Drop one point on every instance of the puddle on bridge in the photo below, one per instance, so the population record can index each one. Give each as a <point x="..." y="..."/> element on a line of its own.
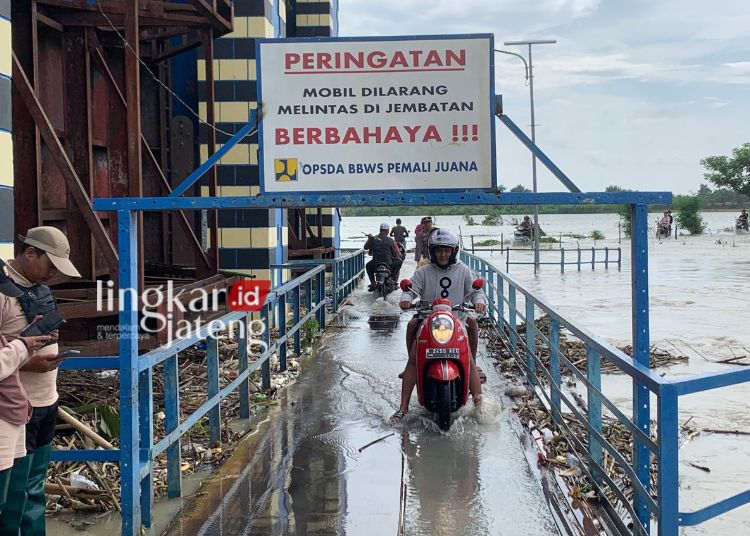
<point x="304" y="473"/>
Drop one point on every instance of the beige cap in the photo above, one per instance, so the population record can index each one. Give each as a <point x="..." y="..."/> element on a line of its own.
<point x="55" y="244"/>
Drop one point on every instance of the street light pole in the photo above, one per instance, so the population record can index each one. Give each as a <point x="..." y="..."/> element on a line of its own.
<point x="530" y="78"/>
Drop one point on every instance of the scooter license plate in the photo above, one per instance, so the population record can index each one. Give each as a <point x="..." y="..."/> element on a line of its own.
<point x="441" y="353"/>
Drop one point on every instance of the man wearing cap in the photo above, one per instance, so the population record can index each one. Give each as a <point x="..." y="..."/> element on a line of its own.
<point x="383" y="250"/>
<point x="42" y="254"/>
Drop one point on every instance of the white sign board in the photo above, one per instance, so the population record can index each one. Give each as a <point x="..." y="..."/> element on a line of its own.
<point x="376" y="114"/>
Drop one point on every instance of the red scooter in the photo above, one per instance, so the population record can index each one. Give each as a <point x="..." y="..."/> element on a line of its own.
<point x="443" y="356"/>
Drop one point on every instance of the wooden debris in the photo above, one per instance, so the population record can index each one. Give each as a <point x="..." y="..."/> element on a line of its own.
<point x="85" y="430"/>
<point x="94" y="399"/>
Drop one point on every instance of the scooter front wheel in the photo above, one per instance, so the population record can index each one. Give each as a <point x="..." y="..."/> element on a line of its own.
<point x="443" y="405"/>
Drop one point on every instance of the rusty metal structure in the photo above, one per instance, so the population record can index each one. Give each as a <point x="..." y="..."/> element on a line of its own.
<point x="92" y="117"/>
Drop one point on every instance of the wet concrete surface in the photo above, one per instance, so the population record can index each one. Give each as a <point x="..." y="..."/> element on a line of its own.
<point x="303" y="472"/>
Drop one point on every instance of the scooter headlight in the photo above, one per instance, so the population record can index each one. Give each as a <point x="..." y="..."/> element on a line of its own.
<point x="441" y="328"/>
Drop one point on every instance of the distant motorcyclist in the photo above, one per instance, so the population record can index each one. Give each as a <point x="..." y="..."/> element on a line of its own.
<point x="526" y="226"/>
<point x="383" y="250"/>
<point x="399" y="233"/>
<point x="444" y="277"/>
<point x="742" y="222"/>
<point x="665" y="223"/>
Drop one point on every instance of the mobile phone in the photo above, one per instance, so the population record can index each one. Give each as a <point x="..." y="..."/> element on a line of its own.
<point x="49" y="322"/>
<point x="69" y="353"/>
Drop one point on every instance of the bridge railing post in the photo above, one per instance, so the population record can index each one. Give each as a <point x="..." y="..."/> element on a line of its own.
<point x="265" y="368"/>
<point x="282" y="333"/>
<point x="297" y="304"/>
<point x="530" y="340"/>
<point x="593" y="375"/>
<point x="171" y="422"/>
<point x="669" y="485"/>
<point x="130" y="467"/>
<point x="554" y="366"/>
<point x="214" y="415"/>
<point x="512" y="326"/>
<point x="242" y="365"/>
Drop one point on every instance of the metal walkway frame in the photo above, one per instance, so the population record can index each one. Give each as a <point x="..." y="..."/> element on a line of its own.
<point x="137" y="450"/>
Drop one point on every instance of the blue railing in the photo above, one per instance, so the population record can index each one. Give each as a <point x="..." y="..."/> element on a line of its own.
<point x="305" y="296"/>
<point x="660" y="442"/>
<point x="346" y="270"/>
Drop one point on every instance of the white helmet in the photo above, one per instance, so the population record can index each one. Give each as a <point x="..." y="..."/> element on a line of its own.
<point x="442" y="237"/>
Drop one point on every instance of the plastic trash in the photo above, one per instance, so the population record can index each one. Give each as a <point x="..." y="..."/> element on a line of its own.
<point x="548" y="435"/>
<point x="81" y="482"/>
<point x="573" y="461"/>
<point x="516" y="390"/>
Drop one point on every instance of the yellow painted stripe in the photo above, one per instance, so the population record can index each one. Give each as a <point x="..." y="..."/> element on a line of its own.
<point x="6" y="157"/>
<point x="264" y="237"/>
<point x="242" y="153"/>
<point x="259" y="27"/>
<point x="227" y="112"/>
<point x="234" y="238"/>
<point x="6" y="250"/>
<point x="240" y="28"/>
<point x="6" y="63"/>
<point x="228" y="69"/>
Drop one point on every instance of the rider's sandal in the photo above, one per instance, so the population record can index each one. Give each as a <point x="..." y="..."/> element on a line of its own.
<point x="398" y="417"/>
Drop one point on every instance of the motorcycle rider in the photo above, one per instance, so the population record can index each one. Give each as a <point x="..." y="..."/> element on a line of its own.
<point x="399" y="233"/>
<point x="665" y="223"/>
<point x="383" y="250"/>
<point x="444" y="277"/>
<point x="742" y="222"/>
<point x="526" y="226"/>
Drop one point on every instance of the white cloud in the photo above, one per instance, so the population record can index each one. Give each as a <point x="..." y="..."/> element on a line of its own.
<point x="633" y="93"/>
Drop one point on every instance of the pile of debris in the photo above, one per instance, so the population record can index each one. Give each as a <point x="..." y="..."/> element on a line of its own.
<point x="554" y="448"/>
<point x="89" y="419"/>
<point x="572" y="348"/>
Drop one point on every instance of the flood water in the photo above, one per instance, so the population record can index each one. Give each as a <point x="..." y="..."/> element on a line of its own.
<point x="698" y="307"/>
<point x="303" y="472"/>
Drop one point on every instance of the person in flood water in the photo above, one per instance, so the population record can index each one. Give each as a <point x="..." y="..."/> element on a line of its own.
<point x="423" y="237"/>
<point x="444" y="277"/>
<point x="742" y="222"/>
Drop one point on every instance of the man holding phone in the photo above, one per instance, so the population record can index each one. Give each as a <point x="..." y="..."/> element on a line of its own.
<point x="42" y="254"/>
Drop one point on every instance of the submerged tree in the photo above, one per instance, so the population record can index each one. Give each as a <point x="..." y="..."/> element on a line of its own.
<point x="688" y="216"/>
<point x="733" y="173"/>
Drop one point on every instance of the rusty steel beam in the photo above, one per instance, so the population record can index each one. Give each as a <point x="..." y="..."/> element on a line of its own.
<point x="213" y="215"/>
<point x="78" y="142"/>
<point x="133" y="98"/>
<point x="60" y="157"/>
<point x="174" y="50"/>
<point x="25" y="134"/>
<point x="208" y="9"/>
<point x="194" y="242"/>
<point x="49" y="22"/>
<point x="92" y="18"/>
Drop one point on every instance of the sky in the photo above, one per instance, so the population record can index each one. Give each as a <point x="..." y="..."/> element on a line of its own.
<point x="635" y="92"/>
